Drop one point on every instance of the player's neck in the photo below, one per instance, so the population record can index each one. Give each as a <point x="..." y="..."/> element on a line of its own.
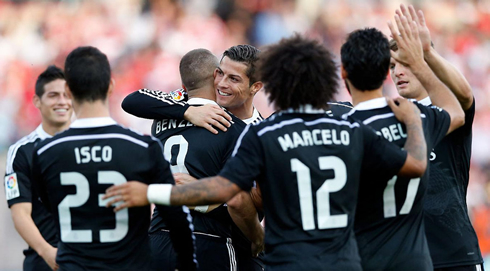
<point x="245" y="111"/>
<point x="96" y="109"/>
<point x="362" y="96"/>
<point x="204" y="92"/>
<point x="53" y="129"/>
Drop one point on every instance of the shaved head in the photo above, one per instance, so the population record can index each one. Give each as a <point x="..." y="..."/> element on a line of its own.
<point x="197" y="68"/>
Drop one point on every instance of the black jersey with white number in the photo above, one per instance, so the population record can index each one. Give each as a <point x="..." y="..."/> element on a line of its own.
<point x="73" y="169"/>
<point x="196" y="151"/>
<point x="389" y="218"/>
<point x="18" y="187"/>
<point x="308" y="167"/>
<point x="451" y="237"/>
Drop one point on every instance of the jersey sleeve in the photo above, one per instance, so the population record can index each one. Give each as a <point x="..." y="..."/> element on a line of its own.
<point x="17" y="183"/>
<point x="177" y="218"/>
<point x="439" y="121"/>
<point x="380" y="155"/>
<point x="154" y="104"/>
<point x="246" y="161"/>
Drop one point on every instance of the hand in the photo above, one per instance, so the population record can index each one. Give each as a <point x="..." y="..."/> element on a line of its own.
<point x="131" y="194"/>
<point x="404" y="110"/>
<point x="256" y="196"/>
<point x="419" y="19"/>
<point x="183" y="178"/>
<point x="49" y="256"/>
<point x="207" y="116"/>
<point x="408" y="42"/>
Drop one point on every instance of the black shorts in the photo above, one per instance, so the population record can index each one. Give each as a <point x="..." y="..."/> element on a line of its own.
<point x="34" y="262"/>
<point x="213" y="253"/>
<point x="473" y="267"/>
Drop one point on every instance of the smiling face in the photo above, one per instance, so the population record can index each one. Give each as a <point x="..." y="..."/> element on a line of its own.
<point x="54" y="104"/>
<point x="232" y="84"/>
<point x="406" y="83"/>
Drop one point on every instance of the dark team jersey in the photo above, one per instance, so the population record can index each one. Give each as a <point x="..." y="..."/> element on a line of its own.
<point x="339" y="108"/>
<point x="389" y="218"/>
<point x="18" y="186"/>
<point x="196" y="151"/>
<point x="308" y="166"/>
<point x="451" y="237"/>
<point x="73" y="169"/>
<point x="155" y="104"/>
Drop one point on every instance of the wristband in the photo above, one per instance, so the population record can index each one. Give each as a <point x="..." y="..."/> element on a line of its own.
<point x="159" y="193"/>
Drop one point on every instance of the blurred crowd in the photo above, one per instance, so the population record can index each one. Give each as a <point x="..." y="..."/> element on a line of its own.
<point x="145" y="39"/>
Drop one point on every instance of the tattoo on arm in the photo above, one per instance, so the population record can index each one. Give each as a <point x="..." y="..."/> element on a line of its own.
<point x="206" y="191"/>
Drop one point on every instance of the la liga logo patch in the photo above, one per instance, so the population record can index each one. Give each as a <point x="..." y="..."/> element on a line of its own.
<point x="177" y="95"/>
<point x="11" y="186"/>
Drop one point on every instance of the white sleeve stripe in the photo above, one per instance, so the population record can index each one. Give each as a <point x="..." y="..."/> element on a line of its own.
<point x="9" y="168"/>
<point x="307" y="123"/>
<point x="239" y="141"/>
<point x="88" y="137"/>
<point x="162" y="97"/>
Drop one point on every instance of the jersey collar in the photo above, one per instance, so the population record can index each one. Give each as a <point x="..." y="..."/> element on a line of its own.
<point x="371" y="104"/>
<point x="425" y="101"/>
<point x="255" y="115"/>
<point x="200" y="101"/>
<point x="307" y="108"/>
<point x="42" y="134"/>
<point x="93" y="122"/>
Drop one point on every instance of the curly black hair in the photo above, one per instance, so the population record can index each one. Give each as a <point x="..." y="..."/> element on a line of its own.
<point x="298" y="71"/>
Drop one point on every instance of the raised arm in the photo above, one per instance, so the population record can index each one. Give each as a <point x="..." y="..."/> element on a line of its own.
<point x="410" y="54"/>
<point x="444" y="70"/>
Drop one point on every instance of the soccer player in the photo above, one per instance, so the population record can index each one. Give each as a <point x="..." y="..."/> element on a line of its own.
<point x="389" y="217"/>
<point x="237" y="76"/>
<point x="307" y="164"/>
<point x="33" y="222"/>
<point x="452" y="240"/>
<point x="193" y="150"/>
<point x="72" y="168"/>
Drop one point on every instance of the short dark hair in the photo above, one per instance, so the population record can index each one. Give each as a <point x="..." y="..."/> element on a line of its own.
<point x="49" y="75"/>
<point x="197" y="68"/>
<point x="88" y="74"/>
<point x="298" y="71"/>
<point x="248" y="55"/>
<point x="366" y="58"/>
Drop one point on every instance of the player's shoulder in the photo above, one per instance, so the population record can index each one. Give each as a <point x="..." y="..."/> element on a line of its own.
<point x="339" y="108"/>
<point x="24" y="146"/>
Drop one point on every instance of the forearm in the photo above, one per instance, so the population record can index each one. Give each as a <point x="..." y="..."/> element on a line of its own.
<point x="207" y="191"/>
<point x="439" y="93"/>
<point x="28" y="230"/>
<point x="416" y="148"/>
<point x="243" y="212"/>
<point x="450" y="76"/>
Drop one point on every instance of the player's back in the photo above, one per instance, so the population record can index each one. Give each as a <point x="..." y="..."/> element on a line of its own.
<point x="196" y="151"/>
<point x="312" y="164"/>
<point x="389" y="218"/>
<point x="74" y="169"/>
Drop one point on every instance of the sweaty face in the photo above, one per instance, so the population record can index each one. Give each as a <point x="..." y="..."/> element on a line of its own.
<point x="55" y="106"/>
<point x="232" y="84"/>
<point x="406" y="83"/>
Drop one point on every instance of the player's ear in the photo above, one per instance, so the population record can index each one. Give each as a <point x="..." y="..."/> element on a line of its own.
<point x="256" y="87"/>
<point x="68" y="92"/>
<point x="112" y="84"/>
<point x="343" y="72"/>
<point x="215" y="73"/>
<point x="36" y="100"/>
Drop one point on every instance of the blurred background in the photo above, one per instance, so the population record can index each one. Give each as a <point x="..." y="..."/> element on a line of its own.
<point x="145" y="39"/>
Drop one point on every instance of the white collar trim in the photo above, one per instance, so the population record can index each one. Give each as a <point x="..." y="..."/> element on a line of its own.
<point x="307" y="108"/>
<point x="425" y="101"/>
<point x="42" y="134"/>
<point x="371" y="104"/>
<point x="255" y="115"/>
<point x="93" y="122"/>
<point x="200" y="101"/>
